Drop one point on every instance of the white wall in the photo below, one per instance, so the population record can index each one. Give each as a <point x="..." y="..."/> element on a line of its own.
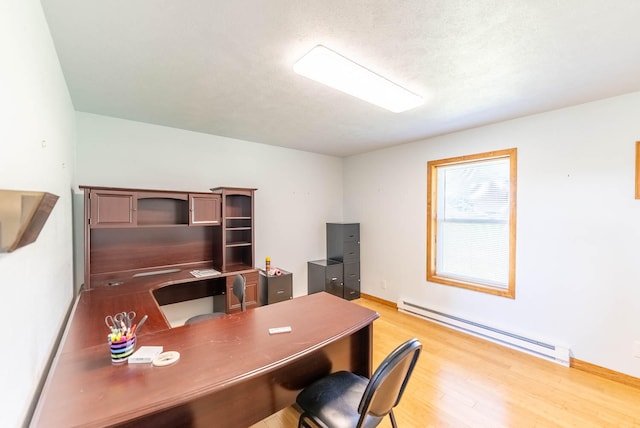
<point x="578" y="228"/>
<point x="298" y="192"/>
<point x="36" y="280"/>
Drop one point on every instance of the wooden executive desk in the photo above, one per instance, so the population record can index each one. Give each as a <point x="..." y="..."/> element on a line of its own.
<point x="231" y="373"/>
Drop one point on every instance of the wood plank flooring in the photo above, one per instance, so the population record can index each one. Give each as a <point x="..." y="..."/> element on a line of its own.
<point x="463" y="381"/>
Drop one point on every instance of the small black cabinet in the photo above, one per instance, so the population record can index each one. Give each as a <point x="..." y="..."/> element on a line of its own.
<point x="275" y="288"/>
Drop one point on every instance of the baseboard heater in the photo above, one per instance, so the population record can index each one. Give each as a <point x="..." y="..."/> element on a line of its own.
<point x="555" y="353"/>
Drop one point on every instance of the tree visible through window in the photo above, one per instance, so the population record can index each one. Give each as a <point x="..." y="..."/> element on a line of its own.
<point x="471" y="222"/>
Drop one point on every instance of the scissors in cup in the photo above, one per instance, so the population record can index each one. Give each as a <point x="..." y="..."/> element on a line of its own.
<point x="120" y="322"/>
<point x="126" y="318"/>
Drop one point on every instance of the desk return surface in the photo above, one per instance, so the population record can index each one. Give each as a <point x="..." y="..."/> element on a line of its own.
<point x="231" y="371"/>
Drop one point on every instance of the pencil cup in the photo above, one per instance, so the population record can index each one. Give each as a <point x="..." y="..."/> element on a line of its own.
<point x="122" y="349"/>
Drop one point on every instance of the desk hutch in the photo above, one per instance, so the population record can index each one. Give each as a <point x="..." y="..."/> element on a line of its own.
<point x="130" y="233"/>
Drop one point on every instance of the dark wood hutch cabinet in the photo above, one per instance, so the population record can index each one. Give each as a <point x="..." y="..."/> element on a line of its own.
<point x="236" y="234"/>
<point x="123" y="208"/>
<point x="135" y="233"/>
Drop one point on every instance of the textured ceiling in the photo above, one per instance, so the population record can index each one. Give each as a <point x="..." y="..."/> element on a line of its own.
<point x="225" y="67"/>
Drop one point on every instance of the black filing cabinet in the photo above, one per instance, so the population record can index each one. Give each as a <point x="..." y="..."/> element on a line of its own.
<point x="343" y="242"/>
<point x="275" y="288"/>
<point x="343" y="245"/>
<point x="339" y="274"/>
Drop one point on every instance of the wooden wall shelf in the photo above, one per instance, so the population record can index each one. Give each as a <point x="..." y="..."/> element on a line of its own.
<point x="22" y="216"/>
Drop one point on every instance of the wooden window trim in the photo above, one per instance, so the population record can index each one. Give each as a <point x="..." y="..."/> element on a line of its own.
<point x="637" y="169"/>
<point x="432" y="187"/>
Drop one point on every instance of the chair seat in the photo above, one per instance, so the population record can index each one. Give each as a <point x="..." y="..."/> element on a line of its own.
<point x="204" y="317"/>
<point x="344" y="399"/>
<point x="239" y="287"/>
<point x="346" y="390"/>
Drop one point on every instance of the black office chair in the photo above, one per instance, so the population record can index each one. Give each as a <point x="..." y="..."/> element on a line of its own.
<point x="344" y="399"/>
<point x="239" y="287"/>
<point x="204" y="317"/>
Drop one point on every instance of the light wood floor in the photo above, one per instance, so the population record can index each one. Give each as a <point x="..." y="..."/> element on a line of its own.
<point x="462" y="381"/>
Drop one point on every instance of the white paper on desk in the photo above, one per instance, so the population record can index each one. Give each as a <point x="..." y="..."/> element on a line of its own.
<point x="145" y="354"/>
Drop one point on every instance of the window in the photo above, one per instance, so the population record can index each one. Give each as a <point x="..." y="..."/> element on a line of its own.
<point x="471" y="222"/>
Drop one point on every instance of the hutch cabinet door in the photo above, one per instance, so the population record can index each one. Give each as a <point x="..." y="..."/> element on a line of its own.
<point x="204" y="209"/>
<point x="113" y="208"/>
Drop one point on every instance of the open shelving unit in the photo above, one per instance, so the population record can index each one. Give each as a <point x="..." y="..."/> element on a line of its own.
<point x="237" y="232"/>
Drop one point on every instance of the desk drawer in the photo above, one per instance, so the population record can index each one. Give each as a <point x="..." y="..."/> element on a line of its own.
<point x="351" y="290"/>
<point x="351" y="232"/>
<point x="351" y="252"/>
<point x="351" y="281"/>
<point x="351" y="271"/>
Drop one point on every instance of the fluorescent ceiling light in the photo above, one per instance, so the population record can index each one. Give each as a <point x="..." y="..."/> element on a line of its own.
<point x="332" y="69"/>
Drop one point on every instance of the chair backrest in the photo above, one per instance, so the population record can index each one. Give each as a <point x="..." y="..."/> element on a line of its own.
<point x="239" y="287"/>
<point x="388" y="382"/>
